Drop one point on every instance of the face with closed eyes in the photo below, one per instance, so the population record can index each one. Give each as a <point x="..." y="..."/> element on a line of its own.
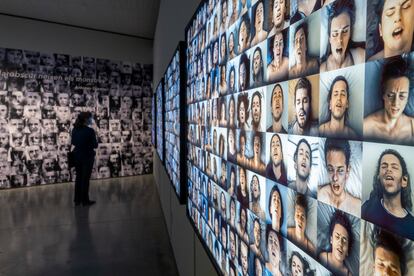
<point x="340" y="36"/>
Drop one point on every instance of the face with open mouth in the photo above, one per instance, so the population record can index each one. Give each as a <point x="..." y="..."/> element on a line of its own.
<point x="256" y="109"/>
<point x="300" y="46"/>
<point x="259" y="17"/>
<point x="243" y="37"/>
<point x="395" y="96"/>
<point x="276" y="150"/>
<point x="297" y="266"/>
<point x="257" y="232"/>
<point x="257" y="61"/>
<point x="279" y="10"/>
<point x="303" y="165"/>
<point x="256" y="146"/>
<point x="390" y="174"/>
<point x="302" y="106"/>
<point x="275" y="206"/>
<point x="339" y="100"/>
<point x="340" y="242"/>
<point x="277" y="103"/>
<point x="278" y="45"/>
<point x="340" y="36"/>
<point x="273" y="248"/>
<point x="396" y="27"/>
<point x="337" y="170"/>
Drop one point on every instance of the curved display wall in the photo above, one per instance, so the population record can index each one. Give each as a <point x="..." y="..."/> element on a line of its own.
<point x="41" y="95"/>
<point x="300" y="136"/>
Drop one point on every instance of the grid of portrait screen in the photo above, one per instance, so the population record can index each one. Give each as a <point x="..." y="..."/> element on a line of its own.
<point x="159" y="118"/>
<point x="172" y="121"/>
<point x="154" y="122"/>
<point x="41" y="95"/>
<point x="300" y="135"/>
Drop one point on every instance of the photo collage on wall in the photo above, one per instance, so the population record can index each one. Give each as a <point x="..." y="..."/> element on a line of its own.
<point x="174" y="143"/>
<point x="41" y="95"/>
<point x="160" y="119"/>
<point x="301" y="135"/>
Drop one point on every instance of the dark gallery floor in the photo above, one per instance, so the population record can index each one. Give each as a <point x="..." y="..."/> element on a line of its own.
<point x="42" y="233"/>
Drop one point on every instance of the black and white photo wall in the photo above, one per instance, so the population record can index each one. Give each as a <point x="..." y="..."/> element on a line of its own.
<point x="41" y="95"/>
<point x="301" y="136"/>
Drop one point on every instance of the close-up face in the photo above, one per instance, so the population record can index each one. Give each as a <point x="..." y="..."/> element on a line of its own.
<point x="297" y="266"/>
<point x="232" y="145"/>
<point x="232" y="210"/>
<point x="242" y="113"/>
<point x="395" y="96"/>
<point x="279" y="10"/>
<point x="337" y="170"/>
<point x="232" y="80"/>
<point x="259" y="17"/>
<point x="300" y="218"/>
<point x="232" y="241"/>
<point x="231" y="109"/>
<point x="244" y="258"/>
<point x="339" y="100"/>
<point x="4" y="139"/>
<point x="63" y="99"/>
<point x="257" y="146"/>
<point x="257" y="62"/>
<point x="278" y="45"/>
<point x="300" y="46"/>
<point x="340" y="36"/>
<point x="242" y="76"/>
<point x="276" y="150"/>
<point x="243" y="219"/>
<point x="386" y="262"/>
<point x="222" y="47"/>
<point x="255" y="187"/>
<point x="303" y="161"/>
<point x="277" y="103"/>
<point x="273" y="248"/>
<point x="302" y="107"/>
<point x="340" y="243"/>
<point x="396" y="27"/>
<point x="242" y="180"/>
<point x="231" y="43"/>
<point x="276" y="206"/>
<point x="256" y="109"/>
<point x="390" y="174"/>
<point x="34" y="152"/>
<point x="243" y="37"/>
<point x="3" y="111"/>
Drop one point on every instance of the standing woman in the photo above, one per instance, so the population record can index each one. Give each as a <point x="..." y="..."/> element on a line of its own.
<point x="85" y="143"/>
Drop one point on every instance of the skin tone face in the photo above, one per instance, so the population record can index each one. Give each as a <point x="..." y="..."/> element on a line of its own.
<point x="279" y="10"/>
<point x="243" y="219"/>
<point x="275" y="206"/>
<point x="242" y="181"/>
<point x="278" y="47"/>
<point x="231" y="109"/>
<point x="339" y="100"/>
<point x="276" y="150"/>
<point x="340" y="36"/>
<point x="396" y="27"/>
<point x="231" y="43"/>
<point x="232" y="145"/>
<point x="242" y="113"/>
<point x="390" y="174"/>
<point x="273" y="248"/>
<point x="300" y="46"/>
<point x="257" y="62"/>
<point x="243" y="37"/>
<point x="243" y="258"/>
<point x="255" y="187"/>
<point x="303" y="165"/>
<point x="259" y="18"/>
<point x="300" y="218"/>
<point x="338" y="171"/>
<point x="232" y="245"/>
<point x="277" y="103"/>
<point x="242" y="145"/>
<point x="340" y="243"/>
<point x="297" y="266"/>
<point x="242" y="76"/>
<point x="395" y="96"/>
<point x="386" y="262"/>
<point x="302" y="107"/>
<point x="232" y="211"/>
<point x="232" y="80"/>
<point x="256" y="109"/>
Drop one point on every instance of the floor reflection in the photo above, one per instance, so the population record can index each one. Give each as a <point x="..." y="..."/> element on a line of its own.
<point x="42" y="233"/>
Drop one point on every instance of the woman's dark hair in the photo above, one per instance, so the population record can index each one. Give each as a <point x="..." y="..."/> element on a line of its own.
<point x="378" y="189"/>
<point x="82" y="119"/>
<point x="340" y="218"/>
<point x="307" y="271"/>
<point x="275" y="189"/>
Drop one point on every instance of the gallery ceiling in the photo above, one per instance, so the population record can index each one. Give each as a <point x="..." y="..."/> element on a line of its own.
<point x="131" y="17"/>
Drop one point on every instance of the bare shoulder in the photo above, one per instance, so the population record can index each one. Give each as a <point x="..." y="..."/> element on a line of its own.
<point x="323" y="67"/>
<point x="323" y="192"/>
<point x="358" y="54"/>
<point x="373" y="117"/>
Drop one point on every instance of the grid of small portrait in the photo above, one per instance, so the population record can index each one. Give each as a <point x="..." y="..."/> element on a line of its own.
<point x="285" y="112"/>
<point x="172" y="121"/>
<point x="160" y="120"/>
<point x="41" y="95"/>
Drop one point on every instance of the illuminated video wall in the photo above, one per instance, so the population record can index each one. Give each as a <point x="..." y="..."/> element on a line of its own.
<point x="300" y="134"/>
<point x="174" y="91"/>
<point x="41" y="94"/>
<point x="160" y="119"/>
